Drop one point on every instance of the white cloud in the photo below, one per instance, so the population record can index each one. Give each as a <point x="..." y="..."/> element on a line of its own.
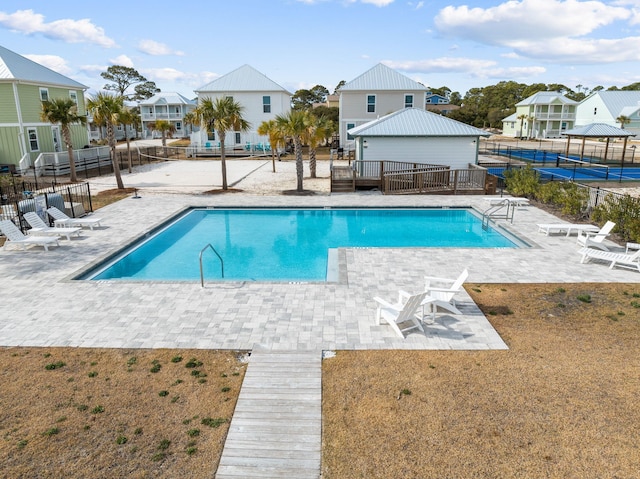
<point x="584" y="51"/>
<point x="549" y="30"/>
<point x="90" y="69"/>
<point x="151" y="47"/>
<point x="53" y="62"/>
<point x="443" y="64"/>
<point x="540" y="20"/>
<point x="123" y="60"/>
<point x="68" y="30"/>
<point x="473" y="67"/>
<point x="378" y="3"/>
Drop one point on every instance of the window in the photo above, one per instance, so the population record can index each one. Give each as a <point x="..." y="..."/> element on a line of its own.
<point x="237" y="138"/>
<point x="211" y="135"/>
<point x="266" y="104"/>
<point x="74" y="96"/>
<point x="371" y="103"/>
<point x="119" y="128"/>
<point x="595" y="111"/>
<point x="349" y="126"/>
<point x="44" y="94"/>
<point x="33" y="139"/>
<point x="408" y="101"/>
<point x="178" y="125"/>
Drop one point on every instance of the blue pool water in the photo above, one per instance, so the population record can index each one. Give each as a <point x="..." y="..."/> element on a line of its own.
<point x="286" y="244"/>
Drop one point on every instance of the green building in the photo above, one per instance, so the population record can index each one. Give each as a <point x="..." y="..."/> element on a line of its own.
<point x="24" y="85"/>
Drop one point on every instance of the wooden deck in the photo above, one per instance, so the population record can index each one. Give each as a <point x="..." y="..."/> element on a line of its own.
<point x="276" y="430"/>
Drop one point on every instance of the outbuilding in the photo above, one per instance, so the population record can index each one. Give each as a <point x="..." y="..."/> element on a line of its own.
<point x="418" y="136"/>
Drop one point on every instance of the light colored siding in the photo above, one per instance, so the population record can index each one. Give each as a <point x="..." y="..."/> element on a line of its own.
<point x="8" y="113"/>
<point x="253" y="112"/>
<point x="585" y="112"/>
<point x="454" y="152"/>
<point x="353" y="106"/>
<point x="9" y="146"/>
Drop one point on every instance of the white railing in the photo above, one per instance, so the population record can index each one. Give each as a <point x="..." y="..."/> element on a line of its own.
<point x="58" y="163"/>
<point x="555" y="116"/>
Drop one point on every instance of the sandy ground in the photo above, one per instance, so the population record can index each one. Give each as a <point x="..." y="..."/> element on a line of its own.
<point x="252" y="176"/>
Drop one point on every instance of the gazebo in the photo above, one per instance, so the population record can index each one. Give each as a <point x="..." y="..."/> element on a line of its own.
<point x="598" y="130"/>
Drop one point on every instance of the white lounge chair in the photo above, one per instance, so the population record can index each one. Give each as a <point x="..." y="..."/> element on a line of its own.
<point x="595" y="240"/>
<point x="61" y="219"/>
<point x="442" y="292"/>
<point x="568" y="227"/>
<point x="40" y="228"/>
<point x="403" y="311"/>
<point x="615" y="259"/>
<point x="15" y="236"/>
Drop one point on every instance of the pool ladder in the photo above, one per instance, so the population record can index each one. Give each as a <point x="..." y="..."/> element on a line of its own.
<point x="496" y="211"/>
<point x="219" y="257"/>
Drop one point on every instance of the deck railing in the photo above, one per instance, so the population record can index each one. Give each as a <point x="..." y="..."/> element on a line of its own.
<point x="435" y="180"/>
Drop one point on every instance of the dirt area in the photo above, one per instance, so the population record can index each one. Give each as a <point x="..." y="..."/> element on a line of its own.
<point x="562" y="402"/>
<point x="89" y="413"/>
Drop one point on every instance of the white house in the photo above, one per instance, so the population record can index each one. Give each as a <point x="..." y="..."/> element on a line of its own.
<point x="416" y="135"/>
<point x="606" y="106"/>
<point x="377" y="92"/>
<point x="261" y="98"/>
<point x="168" y="106"/>
<point x="545" y="114"/>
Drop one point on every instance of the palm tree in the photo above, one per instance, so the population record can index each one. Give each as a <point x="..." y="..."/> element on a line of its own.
<point x="276" y="138"/>
<point x="105" y="108"/>
<point x="126" y="118"/>
<point x="190" y="119"/>
<point x="166" y="129"/>
<point x="318" y="130"/>
<point x="521" y="118"/>
<point x="64" y="111"/>
<point x="294" y="124"/>
<point x="530" y="124"/>
<point x="623" y="120"/>
<point x="222" y="115"/>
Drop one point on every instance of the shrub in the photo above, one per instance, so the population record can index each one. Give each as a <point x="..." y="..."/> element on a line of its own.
<point x="624" y="211"/>
<point x="522" y="181"/>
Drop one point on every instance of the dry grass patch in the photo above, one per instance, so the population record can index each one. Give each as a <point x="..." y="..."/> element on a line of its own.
<point x="80" y="413"/>
<point x="107" y="197"/>
<point x="561" y="402"/>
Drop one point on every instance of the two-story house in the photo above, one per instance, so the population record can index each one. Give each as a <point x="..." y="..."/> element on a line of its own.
<point x="168" y="106"/>
<point x="261" y="98"/>
<point x="24" y="85"/>
<point x="607" y="106"/>
<point x="545" y="114"/>
<point x="377" y="92"/>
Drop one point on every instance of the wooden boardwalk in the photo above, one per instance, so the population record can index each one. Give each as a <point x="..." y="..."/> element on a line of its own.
<point x="276" y="427"/>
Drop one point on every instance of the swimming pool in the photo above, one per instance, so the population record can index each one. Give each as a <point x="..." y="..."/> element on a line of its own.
<point x="288" y="244"/>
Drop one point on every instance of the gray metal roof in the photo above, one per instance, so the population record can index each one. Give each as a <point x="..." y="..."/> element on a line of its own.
<point x="415" y="122"/>
<point x="381" y="77"/>
<point x="17" y="67"/>
<point x="245" y="78"/>
<point x="546" y="98"/>
<point x="512" y="117"/>
<point x="616" y="101"/>
<point x="598" y="130"/>
<point x="168" y="98"/>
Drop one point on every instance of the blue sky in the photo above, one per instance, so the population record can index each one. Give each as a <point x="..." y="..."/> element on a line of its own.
<point x="302" y="43"/>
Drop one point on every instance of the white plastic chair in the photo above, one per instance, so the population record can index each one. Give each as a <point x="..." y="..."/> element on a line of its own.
<point x="403" y="311"/>
<point x="61" y="219"/>
<point x="39" y="227"/>
<point x="615" y="259"/>
<point x="595" y="240"/>
<point x="15" y="236"/>
<point x="443" y="291"/>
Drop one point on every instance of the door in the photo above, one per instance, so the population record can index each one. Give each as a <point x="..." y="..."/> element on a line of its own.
<point x="55" y="132"/>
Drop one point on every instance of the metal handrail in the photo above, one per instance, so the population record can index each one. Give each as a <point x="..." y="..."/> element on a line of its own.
<point x="219" y="257"/>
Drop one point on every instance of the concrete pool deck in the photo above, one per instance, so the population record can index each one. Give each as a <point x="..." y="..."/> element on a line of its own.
<point x="42" y="307"/>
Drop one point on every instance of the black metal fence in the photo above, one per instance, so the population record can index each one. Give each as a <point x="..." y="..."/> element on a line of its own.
<point x="18" y="197"/>
<point x="548" y="151"/>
